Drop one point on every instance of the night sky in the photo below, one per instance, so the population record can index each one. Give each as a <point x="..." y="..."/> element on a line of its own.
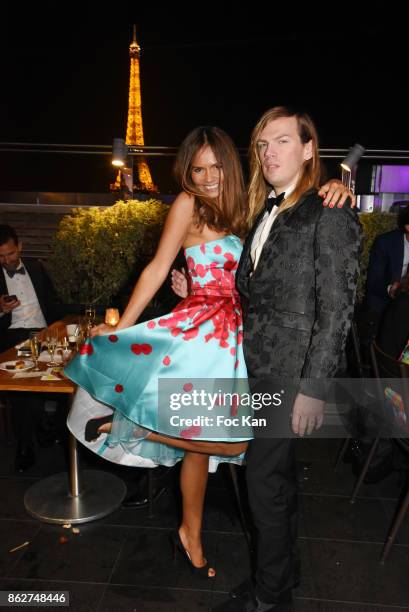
<point x="65" y="73"/>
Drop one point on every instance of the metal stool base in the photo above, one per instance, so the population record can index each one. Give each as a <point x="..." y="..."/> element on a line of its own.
<point x="49" y="500"/>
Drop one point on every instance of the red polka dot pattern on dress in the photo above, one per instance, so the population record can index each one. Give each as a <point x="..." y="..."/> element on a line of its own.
<point x="191" y="432"/>
<point x="234" y="406"/>
<point x="214" y="303"/>
<point x="137" y="349"/>
<point x="86" y="349"/>
<point x="113" y="338"/>
<point x="187" y="387"/>
<point x="119" y="388"/>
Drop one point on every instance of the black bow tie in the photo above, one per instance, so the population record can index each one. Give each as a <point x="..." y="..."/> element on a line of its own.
<point x="270" y="202"/>
<point x="21" y="270"/>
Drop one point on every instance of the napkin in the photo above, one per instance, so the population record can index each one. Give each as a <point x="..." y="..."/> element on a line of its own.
<point x="46" y="357"/>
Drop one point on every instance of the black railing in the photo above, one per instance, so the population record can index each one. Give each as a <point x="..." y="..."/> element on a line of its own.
<point x="164" y="151"/>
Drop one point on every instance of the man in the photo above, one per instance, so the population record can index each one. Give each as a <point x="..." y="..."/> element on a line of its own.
<point x="298" y="275"/>
<point x="26" y="300"/>
<point x="388" y="264"/>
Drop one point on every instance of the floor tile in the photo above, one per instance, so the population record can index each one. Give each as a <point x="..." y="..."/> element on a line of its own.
<point x="134" y="599"/>
<point x="12" y="504"/>
<point x="350" y="571"/>
<point x="232" y="562"/>
<point x="147" y="560"/>
<point x="125" y="561"/>
<point x="88" y="556"/>
<point x="13" y="534"/>
<point x="319" y="477"/>
<point x="335" y="517"/>
<point x="315" y="605"/>
<point x="391" y="508"/>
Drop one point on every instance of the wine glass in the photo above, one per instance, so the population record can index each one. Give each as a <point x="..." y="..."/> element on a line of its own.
<point x="51" y="342"/>
<point x="90" y="314"/>
<point x="79" y="337"/>
<point x="89" y="319"/>
<point x="65" y="345"/>
<point x="35" y="344"/>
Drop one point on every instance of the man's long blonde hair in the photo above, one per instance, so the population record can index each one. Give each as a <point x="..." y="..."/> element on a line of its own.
<point x="311" y="171"/>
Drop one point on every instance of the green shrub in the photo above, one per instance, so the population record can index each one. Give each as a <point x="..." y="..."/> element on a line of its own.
<point x="97" y="252"/>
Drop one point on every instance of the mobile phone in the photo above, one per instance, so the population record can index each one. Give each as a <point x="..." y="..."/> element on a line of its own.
<point x="10" y="298"/>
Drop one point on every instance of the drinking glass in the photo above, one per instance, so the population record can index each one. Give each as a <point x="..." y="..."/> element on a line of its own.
<point x="79" y="337"/>
<point x="35" y="344"/>
<point x="51" y="341"/>
<point x="89" y="319"/>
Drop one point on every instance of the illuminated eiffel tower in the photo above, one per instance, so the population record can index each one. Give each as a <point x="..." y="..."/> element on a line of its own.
<point x="134" y="130"/>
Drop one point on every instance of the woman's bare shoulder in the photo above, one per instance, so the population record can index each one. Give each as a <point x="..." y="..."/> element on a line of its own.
<point x="184" y="201"/>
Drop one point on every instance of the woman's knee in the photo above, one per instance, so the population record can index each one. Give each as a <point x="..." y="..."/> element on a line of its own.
<point x="195" y="457"/>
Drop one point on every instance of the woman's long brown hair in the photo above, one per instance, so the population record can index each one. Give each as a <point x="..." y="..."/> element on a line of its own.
<point x="228" y="212"/>
<point x="311" y="171"/>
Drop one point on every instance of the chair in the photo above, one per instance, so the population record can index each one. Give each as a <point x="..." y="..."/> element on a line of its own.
<point x="363" y="370"/>
<point x="395" y="401"/>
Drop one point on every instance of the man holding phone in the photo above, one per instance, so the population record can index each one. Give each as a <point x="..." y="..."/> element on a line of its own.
<point x="26" y="301"/>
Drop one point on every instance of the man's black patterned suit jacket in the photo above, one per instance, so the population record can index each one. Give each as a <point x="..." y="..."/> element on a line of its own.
<point x="299" y="301"/>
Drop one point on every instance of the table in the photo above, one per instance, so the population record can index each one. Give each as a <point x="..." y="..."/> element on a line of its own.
<point x="76" y="497"/>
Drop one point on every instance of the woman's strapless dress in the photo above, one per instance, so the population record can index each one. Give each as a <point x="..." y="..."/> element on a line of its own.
<point x="146" y="370"/>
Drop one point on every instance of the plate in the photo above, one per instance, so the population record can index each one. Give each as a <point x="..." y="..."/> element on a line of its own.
<point x="18" y="365"/>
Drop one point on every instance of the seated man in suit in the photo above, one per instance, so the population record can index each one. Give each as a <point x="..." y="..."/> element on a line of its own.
<point x="388" y="264"/>
<point x="26" y="301"/>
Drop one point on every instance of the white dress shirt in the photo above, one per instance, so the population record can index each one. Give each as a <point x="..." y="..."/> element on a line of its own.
<point x="29" y="313"/>
<point x="405" y="256"/>
<point x="264" y="228"/>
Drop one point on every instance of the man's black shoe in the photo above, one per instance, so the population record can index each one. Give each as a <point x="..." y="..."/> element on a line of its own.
<point x="160" y="479"/>
<point x="247" y="587"/>
<point x="140" y="499"/>
<point x="25" y="458"/>
<point x="244" y="587"/>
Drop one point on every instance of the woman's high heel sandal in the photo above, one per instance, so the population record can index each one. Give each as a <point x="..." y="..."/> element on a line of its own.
<point x="91" y="428"/>
<point x="178" y="547"/>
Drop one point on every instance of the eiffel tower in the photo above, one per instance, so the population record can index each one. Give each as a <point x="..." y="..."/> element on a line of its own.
<point x="134" y="131"/>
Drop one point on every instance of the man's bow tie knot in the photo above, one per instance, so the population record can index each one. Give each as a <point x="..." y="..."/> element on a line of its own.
<point x="270" y="202"/>
<point x="20" y="270"/>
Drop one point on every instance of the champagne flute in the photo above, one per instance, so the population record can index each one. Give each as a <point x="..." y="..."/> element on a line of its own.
<point x="89" y="319"/>
<point x="78" y="337"/>
<point x="51" y="346"/>
<point x="35" y="349"/>
<point x="65" y="345"/>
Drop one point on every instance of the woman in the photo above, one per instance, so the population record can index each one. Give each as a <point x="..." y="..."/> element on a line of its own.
<point x="201" y="338"/>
